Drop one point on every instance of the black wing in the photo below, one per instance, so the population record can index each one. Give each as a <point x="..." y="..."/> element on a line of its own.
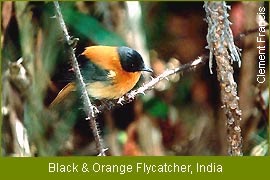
<point x="92" y="73"/>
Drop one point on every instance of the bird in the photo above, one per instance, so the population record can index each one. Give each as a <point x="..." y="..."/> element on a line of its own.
<point x="109" y="72"/>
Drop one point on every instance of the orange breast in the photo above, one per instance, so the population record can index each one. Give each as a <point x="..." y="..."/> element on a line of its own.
<point x="122" y="84"/>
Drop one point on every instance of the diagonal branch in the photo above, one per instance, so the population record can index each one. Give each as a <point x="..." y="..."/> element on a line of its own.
<point x="185" y="67"/>
<point x="129" y="97"/>
<point x="89" y="109"/>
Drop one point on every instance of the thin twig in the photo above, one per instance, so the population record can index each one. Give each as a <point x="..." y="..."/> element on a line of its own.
<point x="185" y="67"/>
<point x="248" y="32"/>
<point x="127" y="98"/>
<point x="89" y="109"/>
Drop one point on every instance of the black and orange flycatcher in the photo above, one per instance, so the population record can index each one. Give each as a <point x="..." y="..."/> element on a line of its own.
<point x="109" y="74"/>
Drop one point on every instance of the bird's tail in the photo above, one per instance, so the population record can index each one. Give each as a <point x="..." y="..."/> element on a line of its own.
<point x="63" y="93"/>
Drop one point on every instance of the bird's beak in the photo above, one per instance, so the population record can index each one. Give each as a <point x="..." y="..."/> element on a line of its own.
<point x="147" y="69"/>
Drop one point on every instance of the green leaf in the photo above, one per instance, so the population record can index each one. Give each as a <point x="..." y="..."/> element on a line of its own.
<point x="157" y="108"/>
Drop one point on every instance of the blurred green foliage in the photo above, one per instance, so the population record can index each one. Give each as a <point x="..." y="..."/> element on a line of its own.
<point x="88" y="27"/>
<point x="157" y="108"/>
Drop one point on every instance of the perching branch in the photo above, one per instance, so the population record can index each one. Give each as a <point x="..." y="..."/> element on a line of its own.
<point x="129" y="97"/>
<point x="150" y="85"/>
<point x="221" y="45"/>
<point x="89" y="109"/>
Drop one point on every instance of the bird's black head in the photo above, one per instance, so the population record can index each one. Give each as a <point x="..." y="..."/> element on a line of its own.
<point x="131" y="60"/>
